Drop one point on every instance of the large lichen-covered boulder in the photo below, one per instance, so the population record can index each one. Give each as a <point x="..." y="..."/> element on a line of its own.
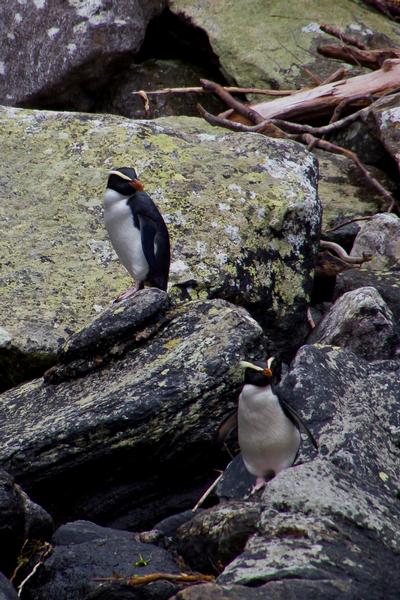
<point x="116" y="444"/>
<point x="58" y="52"/>
<point x="242" y="210"/>
<point x="260" y="45"/>
<point x="329" y="524"/>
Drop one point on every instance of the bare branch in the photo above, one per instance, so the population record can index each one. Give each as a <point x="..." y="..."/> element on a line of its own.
<point x="343" y="37"/>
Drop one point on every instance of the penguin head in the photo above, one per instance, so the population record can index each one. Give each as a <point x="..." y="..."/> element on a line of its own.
<point x="124" y="181"/>
<point x="258" y="373"/>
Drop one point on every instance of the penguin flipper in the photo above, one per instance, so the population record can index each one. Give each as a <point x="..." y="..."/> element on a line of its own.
<point x="294" y="416"/>
<point x="227" y="425"/>
<point x="148" y="233"/>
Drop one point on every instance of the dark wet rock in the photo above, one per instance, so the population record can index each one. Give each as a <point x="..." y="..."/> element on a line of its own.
<point x="360" y="321"/>
<point x="122" y="444"/>
<point x="7" y="592"/>
<point x="81" y="44"/>
<point x="156" y="75"/>
<point x="121" y="326"/>
<point x="12" y="523"/>
<point x="386" y="282"/>
<point x="380" y="238"/>
<point x="84" y="553"/>
<point x="20" y="519"/>
<point x="211" y="539"/>
<point x="236" y="481"/>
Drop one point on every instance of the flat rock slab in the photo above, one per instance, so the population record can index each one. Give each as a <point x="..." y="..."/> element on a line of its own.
<point x="261" y="45"/>
<point x="99" y="445"/>
<point x="242" y="210"/>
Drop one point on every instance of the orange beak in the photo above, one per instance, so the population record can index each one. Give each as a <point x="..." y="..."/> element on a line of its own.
<point x="138" y="185"/>
<point x="267" y="372"/>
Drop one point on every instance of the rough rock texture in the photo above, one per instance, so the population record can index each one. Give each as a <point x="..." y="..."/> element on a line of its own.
<point x="127" y="438"/>
<point x="242" y="210"/>
<point x="360" y="321"/>
<point x="217" y="535"/>
<point x="7" y="592"/>
<point x="329" y="525"/>
<point x="343" y="192"/>
<point x="242" y="37"/>
<point x="118" y="328"/>
<point x="84" y="552"/>
<point x="155" y="75"/>
<point x="20" y="518"/>
<point x="379" y="237"/>
<point x="80" y="45"/>
<point x="386" y="118"/>
<point x="387" y="283"/>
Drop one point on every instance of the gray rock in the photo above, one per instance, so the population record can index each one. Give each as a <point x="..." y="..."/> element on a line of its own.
<point x="242" y="211"/>
<point x="217" y="535"/>
<point x="379" y="237"/>
<point x="329" y="525"/>
<point x="84" y="554"/>
<point x="386" y="282"/>
<point x="81" y="43"/>
<point x="7" y="592"/>
<point x="122" y="325"/>
<point x="311" y="511"/>
<point x="385" y="117"/>
<point x="118" y="440"/>
<point x="360" y="321"/>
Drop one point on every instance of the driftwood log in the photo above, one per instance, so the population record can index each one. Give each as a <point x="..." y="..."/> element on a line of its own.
<point x="321" y="101"/>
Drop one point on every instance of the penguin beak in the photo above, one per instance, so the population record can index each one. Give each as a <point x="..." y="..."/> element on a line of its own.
<point x="138" y="185"/>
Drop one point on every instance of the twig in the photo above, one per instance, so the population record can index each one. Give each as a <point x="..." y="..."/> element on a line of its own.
<point x="314" y="78"/>
<point x="144" y="579"/>
<point x="201" y="90"/>
<point x="343" y="37"/>
<point x="341" y="252"/>
<point x="336" y="75"/>
<point x="266" y="127"/>
<point x="252" y="115"/>
<point x="347" y="223"/>
<point x="207" y="492"/>
<point x="46" y="550"/>
<point x="372" y="59"/>
<point x="310" y="319"/>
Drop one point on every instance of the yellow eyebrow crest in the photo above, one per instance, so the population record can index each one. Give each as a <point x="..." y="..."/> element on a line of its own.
<point x="249" y="365"/>
<point x="120" y="175"/>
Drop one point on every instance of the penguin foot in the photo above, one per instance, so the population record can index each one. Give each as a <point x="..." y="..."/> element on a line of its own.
<point x="129" y="292"/>
<point x="259" y="484"/>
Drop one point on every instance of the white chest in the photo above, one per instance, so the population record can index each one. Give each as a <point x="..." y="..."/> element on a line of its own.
<point x="268" y="440"/>
<point x="124" y="236"/>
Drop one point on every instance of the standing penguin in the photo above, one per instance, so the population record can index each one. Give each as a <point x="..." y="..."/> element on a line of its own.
<point x="268" y="428"/>
<point x="137" y="231"/>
